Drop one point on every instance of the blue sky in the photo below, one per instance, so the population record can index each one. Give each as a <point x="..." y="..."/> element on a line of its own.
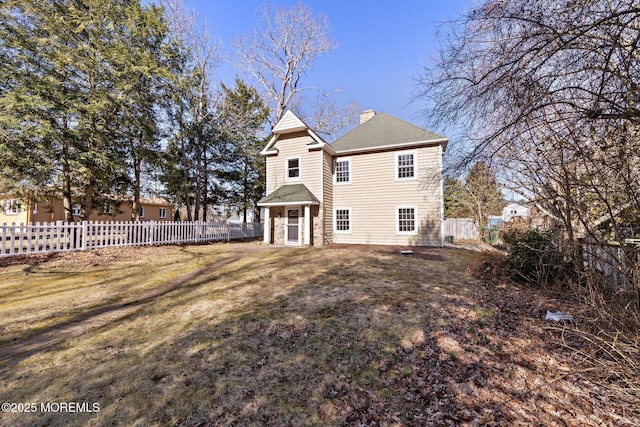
<point x="381" y="45"/>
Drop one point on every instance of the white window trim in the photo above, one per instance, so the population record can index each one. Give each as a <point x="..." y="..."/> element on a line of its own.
<point x="75" y="209"/>
<point x="286" y="169"/>
<point x="415" y="165"/>
<point x="162" y="214"/>
<point x="415" y="220"/>
<point x="14" y="204"/>
<point x="335" y="171"/>
<point x="141" y="211"/>
<point x="335" y="222"/>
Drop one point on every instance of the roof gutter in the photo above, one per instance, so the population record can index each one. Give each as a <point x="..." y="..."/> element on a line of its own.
<point x="303" y="202"/>
<point x="441" y="142"/>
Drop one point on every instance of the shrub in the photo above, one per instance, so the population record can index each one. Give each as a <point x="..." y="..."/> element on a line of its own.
<point x="534" y="257"/>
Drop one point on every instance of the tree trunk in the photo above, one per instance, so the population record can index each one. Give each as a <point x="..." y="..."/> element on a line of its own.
<point x="137" y="166"/>
<point x="87" y="200"/>
<point x="198" y="188"/>
<point x="67" y="201"/>
<point x="245" y="191"/>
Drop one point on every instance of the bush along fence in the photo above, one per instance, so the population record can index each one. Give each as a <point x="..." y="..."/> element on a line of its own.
<point x="62" y="237"/>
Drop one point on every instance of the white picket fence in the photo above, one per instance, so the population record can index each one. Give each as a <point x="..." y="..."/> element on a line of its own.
<point x="18" y="239"/>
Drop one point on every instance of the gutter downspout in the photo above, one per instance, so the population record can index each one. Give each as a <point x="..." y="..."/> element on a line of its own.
<point x="441" y="198"/>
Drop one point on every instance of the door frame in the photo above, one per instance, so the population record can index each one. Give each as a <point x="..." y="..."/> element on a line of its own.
<point x="286" y="226"/>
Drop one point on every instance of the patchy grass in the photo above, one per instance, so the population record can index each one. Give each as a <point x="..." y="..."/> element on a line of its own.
<point x="242" y="334"/>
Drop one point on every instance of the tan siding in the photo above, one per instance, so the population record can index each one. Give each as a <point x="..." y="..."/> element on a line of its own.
<point x="21" y="217"/>
<point x="53" y="210"/>
<point x="327" y="202"/>
<point x="374" y="194"/>
<point x="295" y="145"/>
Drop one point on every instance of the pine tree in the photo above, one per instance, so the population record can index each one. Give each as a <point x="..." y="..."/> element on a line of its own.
<point x="70" y="71"/>
<point x="454" y="193"/>
<point x="482" y="194"/>
<point x="244" y="116"/>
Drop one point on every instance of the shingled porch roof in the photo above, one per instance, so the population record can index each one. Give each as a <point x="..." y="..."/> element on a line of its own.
<point x="288" y="195"/>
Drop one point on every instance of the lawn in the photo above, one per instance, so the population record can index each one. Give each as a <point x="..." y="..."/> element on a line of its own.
<point x="244" y="334"/>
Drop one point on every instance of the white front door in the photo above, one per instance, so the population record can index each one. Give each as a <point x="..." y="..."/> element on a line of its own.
<point x="292" y="227"/>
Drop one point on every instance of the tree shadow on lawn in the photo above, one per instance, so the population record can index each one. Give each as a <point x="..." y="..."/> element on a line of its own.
<point x="372" y="338"/>
<point x="78" y="324"/>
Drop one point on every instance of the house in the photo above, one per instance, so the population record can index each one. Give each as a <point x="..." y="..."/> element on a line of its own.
<point x="381" y="183"/>
<point x="515" y="210"/>
<point x="31" y="210"/>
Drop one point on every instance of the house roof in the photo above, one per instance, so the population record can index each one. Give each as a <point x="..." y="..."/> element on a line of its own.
<point x="290" y="123"/>
<point x="385" y="131"/>
<point x="290" y="194"/>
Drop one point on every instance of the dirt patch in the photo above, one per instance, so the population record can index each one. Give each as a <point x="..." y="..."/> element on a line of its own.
<point x="420" y="252"/>
<point x="93" y="257"/>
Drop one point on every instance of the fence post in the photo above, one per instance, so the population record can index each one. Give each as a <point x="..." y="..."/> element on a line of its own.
<point x="85" y="232"/>
<point x="12" y="238"/>
<point x="152" y="232"/>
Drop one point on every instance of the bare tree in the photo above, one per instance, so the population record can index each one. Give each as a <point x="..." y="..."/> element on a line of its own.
<point x="330" y="120"/>
<point x="548" y="91"/>
<point x="282" y="50"/>
<point x="512" y="64"/>
<point x="539" y="86"/>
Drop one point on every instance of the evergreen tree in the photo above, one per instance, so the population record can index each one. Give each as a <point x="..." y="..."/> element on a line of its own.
<point x="190" y="164"/>
<point x="454" y="193"/>
<point x="69" y="74"/>
<point x="482" y="195"/>
<point x="142" y="74"/>
<point x="243" y="119"/>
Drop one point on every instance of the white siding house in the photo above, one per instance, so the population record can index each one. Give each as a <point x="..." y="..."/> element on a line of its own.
<point x="515" y="210"/>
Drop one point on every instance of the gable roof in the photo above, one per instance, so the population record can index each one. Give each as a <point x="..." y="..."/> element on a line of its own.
<point x="385" y="131"/>
<point x="290" y="194"/>
<point x="290" y="123"/>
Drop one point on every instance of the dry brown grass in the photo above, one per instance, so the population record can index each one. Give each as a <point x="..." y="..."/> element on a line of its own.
<point x="242" y="334"/>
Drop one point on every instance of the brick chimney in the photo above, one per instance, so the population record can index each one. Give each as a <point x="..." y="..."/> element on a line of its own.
<point x="366" y="115"/>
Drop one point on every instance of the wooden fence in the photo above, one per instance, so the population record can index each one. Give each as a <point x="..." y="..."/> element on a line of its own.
<point x="461" y="229"/>
<point x="62" y="236"/>
<point x="617" y="264"/>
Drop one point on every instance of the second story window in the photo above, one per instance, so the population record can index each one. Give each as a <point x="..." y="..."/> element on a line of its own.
<point x="75" y="209"/>
<point x="343" y="171"/>
<point x="293" y="169"/>
<point x="405" y="166"/>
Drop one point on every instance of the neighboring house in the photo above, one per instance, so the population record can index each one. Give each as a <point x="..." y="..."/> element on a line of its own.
<point x="30" y="210"/>
<point x="494" y="221"/>
<point x="515" y="210"/>
<point x="379" y="184"/>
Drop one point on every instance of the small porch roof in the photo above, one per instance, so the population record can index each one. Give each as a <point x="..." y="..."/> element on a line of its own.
<point x="290" y="195"/>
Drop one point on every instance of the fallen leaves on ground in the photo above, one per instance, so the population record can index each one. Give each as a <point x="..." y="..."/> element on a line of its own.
<point x="357" y="335"/>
